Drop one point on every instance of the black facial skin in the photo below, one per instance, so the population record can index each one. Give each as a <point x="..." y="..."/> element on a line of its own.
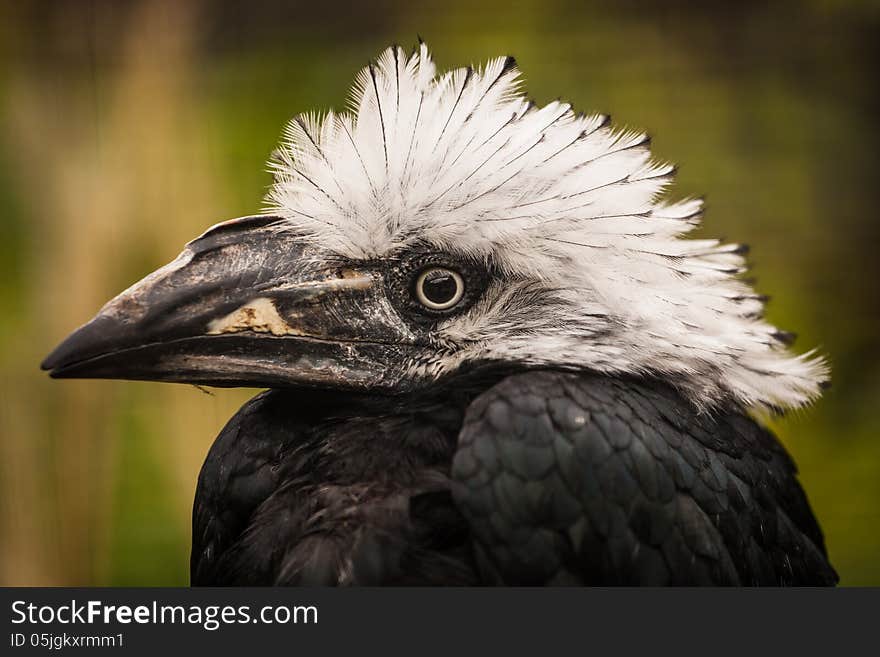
<point x="402" y="275"/>
<point x="352" y="325"/>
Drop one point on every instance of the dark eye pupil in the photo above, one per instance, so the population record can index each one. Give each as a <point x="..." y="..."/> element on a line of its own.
<point x="439" y="287"/>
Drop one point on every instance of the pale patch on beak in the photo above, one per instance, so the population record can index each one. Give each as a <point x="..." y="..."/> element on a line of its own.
<point x="349" y="279"/>
<point x="261" y="315"/>
<point x="258" y="315"/>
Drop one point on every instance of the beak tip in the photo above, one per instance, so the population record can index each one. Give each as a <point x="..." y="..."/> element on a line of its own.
<point x="50" y="362"/>
<point x="53" y="365"/>
<point x="85" y="342"/>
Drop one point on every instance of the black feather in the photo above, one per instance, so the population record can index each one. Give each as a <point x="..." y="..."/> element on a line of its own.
<point x="537" y="478"/>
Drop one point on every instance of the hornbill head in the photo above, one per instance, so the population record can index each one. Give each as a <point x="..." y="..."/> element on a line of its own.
<point x="442" y="223"/>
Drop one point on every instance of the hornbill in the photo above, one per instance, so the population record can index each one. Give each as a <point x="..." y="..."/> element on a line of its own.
<point x="491" y="357"/>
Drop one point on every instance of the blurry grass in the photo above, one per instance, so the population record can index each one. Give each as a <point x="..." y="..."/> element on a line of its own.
<point x="114" y="182"/>
<point x="128" y="128"/>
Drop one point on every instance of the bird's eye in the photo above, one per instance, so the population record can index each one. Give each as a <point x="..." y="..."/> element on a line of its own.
<point x="438" y="288"/>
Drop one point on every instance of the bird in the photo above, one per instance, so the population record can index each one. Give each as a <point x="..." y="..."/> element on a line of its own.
<point x="491" y="355"/>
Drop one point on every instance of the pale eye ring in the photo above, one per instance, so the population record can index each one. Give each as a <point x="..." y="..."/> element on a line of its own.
<point x="439" y="288"/>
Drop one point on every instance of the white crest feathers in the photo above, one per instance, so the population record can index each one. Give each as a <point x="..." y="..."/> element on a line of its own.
<point x="466" y="163"/>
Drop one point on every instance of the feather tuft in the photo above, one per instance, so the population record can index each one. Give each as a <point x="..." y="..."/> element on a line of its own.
<point x="555" y="199"/>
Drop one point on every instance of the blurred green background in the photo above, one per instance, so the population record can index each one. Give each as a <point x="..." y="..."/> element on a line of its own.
<point x="126" y="128"/>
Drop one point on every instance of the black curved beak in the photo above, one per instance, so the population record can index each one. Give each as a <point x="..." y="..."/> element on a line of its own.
<point x="243" y="305"/>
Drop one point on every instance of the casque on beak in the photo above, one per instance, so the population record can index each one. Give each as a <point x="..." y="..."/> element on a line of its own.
<point x="243" y="305"/>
